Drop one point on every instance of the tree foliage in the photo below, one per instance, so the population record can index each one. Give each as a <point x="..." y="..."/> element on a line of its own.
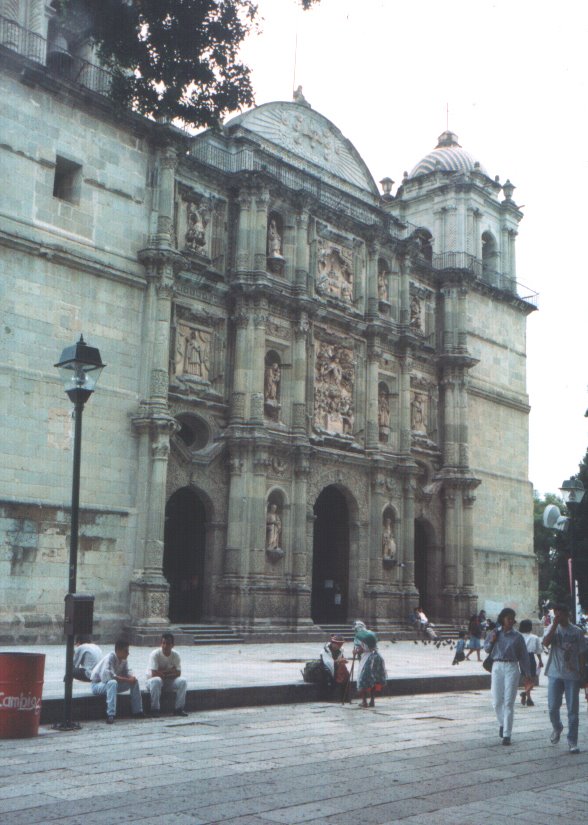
<point x="177" y="59"/>
<point x="551" y="552"/>
<point x="578" y="535"/>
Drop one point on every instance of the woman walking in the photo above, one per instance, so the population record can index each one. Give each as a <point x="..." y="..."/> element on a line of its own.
<point x="475" y="634"/>
<point x="509" y="658"/>
<point x="371" y="675"/>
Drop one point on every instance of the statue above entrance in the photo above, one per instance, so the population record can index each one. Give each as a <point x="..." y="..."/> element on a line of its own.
<point x="333" y="389"/>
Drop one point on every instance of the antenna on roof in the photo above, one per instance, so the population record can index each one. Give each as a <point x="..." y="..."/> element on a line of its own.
<point x="295" y="57"/>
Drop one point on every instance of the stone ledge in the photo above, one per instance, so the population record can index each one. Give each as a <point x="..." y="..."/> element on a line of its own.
<point x="86" y="708"/>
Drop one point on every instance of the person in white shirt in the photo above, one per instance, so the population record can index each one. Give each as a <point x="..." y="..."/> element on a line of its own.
<point x="535" y="649"/>
<point x="86" y="657"/>
<point x="165" y="674"/>
<point x="112" y="676"/>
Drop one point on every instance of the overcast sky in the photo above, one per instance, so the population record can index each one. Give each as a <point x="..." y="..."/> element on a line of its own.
<point x="513" y="73"/>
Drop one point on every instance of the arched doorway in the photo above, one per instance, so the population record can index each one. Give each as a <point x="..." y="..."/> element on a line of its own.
<point x="330" y="558"/>
<point x="183" y="555"/>
<point x="422" y="578"/>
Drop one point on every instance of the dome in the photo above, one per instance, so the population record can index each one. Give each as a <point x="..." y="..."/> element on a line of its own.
<point x="447" y="156"/>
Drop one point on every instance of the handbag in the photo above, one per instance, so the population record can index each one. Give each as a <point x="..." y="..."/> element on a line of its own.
<point x="489" y="661"/>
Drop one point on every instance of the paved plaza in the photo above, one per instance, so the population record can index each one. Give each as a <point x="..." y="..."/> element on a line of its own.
<point x="244" y="665"/>
<point x="433" y="759"/>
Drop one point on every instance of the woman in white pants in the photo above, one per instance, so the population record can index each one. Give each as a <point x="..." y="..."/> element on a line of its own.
<point x="509" y="659"/>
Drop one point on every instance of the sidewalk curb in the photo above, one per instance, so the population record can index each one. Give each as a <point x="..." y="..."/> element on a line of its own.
<point x="87" y="708"/>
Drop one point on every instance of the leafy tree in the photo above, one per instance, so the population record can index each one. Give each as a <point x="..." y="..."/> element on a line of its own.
<point x="578" y="535"/>
<point x="552" y="553"/>
<point x="176" y="59"/>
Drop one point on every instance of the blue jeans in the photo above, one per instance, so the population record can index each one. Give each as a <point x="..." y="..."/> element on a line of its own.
<point x="112" y="689"/>
<point x="555" y="693"/>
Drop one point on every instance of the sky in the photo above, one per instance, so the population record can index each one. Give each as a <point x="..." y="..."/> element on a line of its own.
<point x="513" y="74"/>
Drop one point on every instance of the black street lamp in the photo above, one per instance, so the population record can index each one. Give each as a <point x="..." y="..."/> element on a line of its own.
<point x="572" y="492"/>
<point x="80" y="367"/>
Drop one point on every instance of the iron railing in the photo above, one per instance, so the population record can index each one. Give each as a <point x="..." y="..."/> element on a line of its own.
<point x="61" y="63"/>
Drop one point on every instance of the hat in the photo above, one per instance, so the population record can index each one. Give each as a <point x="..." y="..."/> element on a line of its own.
<point x="337" y="639"/>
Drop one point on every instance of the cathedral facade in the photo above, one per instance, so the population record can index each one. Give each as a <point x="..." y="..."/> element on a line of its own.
<point x="314" y="407"/>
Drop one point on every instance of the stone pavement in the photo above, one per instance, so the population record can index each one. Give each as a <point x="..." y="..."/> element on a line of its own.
<point x="421" y="760"/>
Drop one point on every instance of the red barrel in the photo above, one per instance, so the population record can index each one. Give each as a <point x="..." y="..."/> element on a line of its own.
<point x="21" y="689"/>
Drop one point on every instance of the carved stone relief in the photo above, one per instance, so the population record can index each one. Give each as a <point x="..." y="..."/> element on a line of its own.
<point x="418" y="413"/>
<point x="334" y="277"/>
<point x="191" y="351"/>
<point x="333" y="389"/>
<point x="383" y="414"/>
<point x="388" y="541"/>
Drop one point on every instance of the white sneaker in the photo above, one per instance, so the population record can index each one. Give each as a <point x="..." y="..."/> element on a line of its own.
<point x="555" y="736"/>
<point x="574" y="749"/>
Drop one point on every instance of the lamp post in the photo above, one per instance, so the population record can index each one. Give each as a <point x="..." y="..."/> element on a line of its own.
<point x="80" y="367"/>
<point x="572" y="492"/>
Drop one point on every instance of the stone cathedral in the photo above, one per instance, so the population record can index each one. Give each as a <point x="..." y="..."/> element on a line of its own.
<point x="314" y="407"/>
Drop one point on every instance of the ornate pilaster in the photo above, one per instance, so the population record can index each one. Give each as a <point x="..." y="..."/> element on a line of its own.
<point x="301" y="332"/>
<point x="372" y="429"/>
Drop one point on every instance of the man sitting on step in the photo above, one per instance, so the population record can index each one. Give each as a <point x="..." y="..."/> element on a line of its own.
<point x="165" y="674"/>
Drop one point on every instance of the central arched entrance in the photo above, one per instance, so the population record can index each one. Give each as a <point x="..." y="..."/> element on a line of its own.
<point x="330" y="558"/>
<point x="183" y="555"/>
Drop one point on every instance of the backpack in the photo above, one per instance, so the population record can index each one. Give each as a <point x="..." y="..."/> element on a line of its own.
<point x="313" y="671"/>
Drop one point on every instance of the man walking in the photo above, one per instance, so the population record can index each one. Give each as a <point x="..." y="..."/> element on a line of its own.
<point x="565" y="671"/>
<point x="165" y="674"/>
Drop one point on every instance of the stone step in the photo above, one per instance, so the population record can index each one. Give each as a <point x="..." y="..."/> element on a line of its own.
<point x="209" y="634"/>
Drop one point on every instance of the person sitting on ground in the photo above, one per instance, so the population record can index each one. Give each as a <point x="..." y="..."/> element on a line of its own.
<point x="535" y="649"/>
<point x="335" y="668"/>
<point x="371" y="674"/>
<point x="459" y="648"/>
<point x="86" y="657"/>
<point x="112" y="676"/>
<point x="165" y="674"/>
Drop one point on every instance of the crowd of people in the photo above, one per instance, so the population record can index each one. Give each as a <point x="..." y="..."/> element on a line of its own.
<point x="514" y="658"/>
<point x="110" y="675"/>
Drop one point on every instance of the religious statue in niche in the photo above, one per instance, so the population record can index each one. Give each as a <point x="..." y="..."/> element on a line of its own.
<point x="197" y="221"/>
<point x="192" y="352"/>
<point x="417" y="414"/>
<point x="335" y="272"/>
<point x="271" y="389"/>
<point x="388" y="542"/>
<point x="416" y="320"/>
<point x="383" y="414"/>
<point x="383" y="284"/>
<point x="273" y="528"/>
<point x="274" y="240"/>
<point x="333" y="393"/>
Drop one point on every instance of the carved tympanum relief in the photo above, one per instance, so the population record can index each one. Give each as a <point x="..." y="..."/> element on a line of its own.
<point x="333" y="389"/>
<point x="334" y="277"/>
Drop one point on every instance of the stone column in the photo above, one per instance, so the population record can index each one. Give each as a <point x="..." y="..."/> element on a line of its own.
<point x="245" y="227"/>
<point x="301" y="329"/>
<point x="260" y="236"/>
<point x="405" y="291"/>
<point x="449" y="437"/>
<point x="373" y="251"/>
<point x="239" y="396"/>
<point x="256" y="358"/>
<point x="451" y="541"/>
<point x="468" y="499"/>
<point x="407" y="535"/>
<point x="372" y="429"/>
<point x="235" y="560"/>
<point x="404" y="403"/>
<point x="302" y="251"/>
